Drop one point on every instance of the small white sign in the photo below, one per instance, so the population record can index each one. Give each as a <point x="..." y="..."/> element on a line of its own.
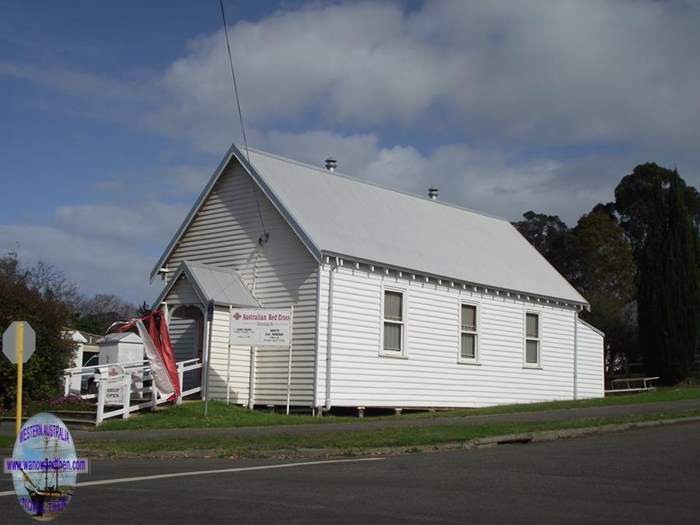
<point x="261" y="327"/>
<point x="114" y="392"/>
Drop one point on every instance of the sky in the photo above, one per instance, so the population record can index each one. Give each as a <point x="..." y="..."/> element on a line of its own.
<point x="113" y="115"/>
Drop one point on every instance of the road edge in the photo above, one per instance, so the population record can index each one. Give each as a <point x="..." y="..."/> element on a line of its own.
<point x="485" y="442"/>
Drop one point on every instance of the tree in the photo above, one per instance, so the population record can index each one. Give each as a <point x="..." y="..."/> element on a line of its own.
<point x="596" y="258"/>
<point x="35" y="295"/>
<point x="602" y="268"/>
<point x="548" y="234"/>
<point x="660" y="215"/>
<point x="97" y="313"/>
<point x="668" y="287"/>
<point x="639" y="206"/>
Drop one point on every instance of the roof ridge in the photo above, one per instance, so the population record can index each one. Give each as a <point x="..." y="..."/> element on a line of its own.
<point x="366" y="182"/>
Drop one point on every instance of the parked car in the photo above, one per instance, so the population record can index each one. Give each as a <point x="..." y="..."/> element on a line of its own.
<point x="88" y="383"/>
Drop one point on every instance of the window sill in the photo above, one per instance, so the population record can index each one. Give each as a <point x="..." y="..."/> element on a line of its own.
<point x="471" y="362"/>
<point x="533" y="367"/>
<point x="393" y="356"/>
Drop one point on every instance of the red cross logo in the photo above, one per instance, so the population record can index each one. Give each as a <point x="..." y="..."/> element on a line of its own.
<point x="236" y="316"/>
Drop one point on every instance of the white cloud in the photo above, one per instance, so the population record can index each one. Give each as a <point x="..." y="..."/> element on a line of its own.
<point x="105" y="248"/>
<point x="539" y="71"/>
<point x="96" y="265"/>
<point x="482" y="179"/>
<point x="495" y="89"/>
<point x="156" y="184"/>
<point x="140" y="221"/>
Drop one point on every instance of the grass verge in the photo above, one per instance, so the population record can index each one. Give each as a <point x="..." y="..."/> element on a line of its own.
<point x="7" y="441"/>
<point x="350" y="443"/>
<point x="220" y="415"/>
<point x="191" y="415"/>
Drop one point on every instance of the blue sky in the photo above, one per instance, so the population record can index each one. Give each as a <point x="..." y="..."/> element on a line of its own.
<point x="114" y="114"/>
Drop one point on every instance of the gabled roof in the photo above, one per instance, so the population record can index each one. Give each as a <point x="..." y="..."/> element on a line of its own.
<point x="211" y="284"/>
<point x="334" y="214"/>
<point x="75" y="335"/>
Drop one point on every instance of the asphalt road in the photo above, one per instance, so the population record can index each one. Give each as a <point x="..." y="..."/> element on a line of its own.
<point x="641" y="476"/>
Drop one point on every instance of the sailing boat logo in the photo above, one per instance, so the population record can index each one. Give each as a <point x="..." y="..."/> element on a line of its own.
<point x="44" y="466"/>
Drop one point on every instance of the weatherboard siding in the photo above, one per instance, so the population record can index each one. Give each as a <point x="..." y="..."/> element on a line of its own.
<point x="225" y="233"/>
<point x="590" y="362"/>
<point x="429" y="375"/>
<point x="233" y="372"/>
<point x="185" y="337"/>
<point x="182" y="293"/>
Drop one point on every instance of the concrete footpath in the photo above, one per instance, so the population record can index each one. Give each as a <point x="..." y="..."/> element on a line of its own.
<point x="570" y="414"/>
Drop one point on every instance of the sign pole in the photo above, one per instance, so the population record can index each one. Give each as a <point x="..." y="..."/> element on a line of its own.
<point x="289" y="365"/>
<point x="228" y="361"/>
<point x="210" y="325"/>
<point x="251" y="379"/>
<point x="20" y="369"/>
<point x="17" y="350"/>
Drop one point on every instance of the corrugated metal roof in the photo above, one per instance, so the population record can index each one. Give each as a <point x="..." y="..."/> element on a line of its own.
<point x="213" y="284"/>
<point x="346" y="216"/>
<point x="340" y="215"/>
<point x="221" y="286"/>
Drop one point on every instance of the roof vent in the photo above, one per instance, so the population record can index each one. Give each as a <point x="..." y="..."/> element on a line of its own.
<point x="331" y="164"/>
<point x="433" y="193"/>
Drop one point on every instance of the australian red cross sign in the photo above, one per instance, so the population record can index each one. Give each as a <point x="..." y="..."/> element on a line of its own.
<point x="261" y="327"/>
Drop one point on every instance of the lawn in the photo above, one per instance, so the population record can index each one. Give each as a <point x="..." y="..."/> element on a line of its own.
<point x="7" y="441"/>
<point x="191" y="415"/>
<point x="358" y="442"/>
<point x="220" y="415"/>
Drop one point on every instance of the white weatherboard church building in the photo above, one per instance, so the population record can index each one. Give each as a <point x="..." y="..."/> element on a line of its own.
<point x="399" y="301"/>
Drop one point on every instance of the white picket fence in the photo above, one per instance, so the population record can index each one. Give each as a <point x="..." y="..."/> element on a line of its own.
<point x="128" y="386"/>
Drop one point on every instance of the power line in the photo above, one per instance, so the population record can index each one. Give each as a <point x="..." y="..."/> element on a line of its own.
<point x="265" y="235"/>
<point x="233" y="75"/>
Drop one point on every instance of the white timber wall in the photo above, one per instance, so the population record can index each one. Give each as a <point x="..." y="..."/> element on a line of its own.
<point x="590" y="362"/>
<point x="430" y="374"/>
<point x="234" y="372"/>
<point x="225" y="233"/>
<point x="185" y="324"/>
<point x="182" y="293"/>
<point x="185" y="336"/>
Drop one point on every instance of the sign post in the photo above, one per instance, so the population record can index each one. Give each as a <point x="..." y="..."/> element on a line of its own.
<point x="261" y="327"/>
<point x="20" y="372"/>
<point x="18" y="345"/>
<point x="205" y="381"/>
<point x="289" y="363"/>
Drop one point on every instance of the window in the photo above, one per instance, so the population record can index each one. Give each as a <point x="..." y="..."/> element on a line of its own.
<point x="393" y="322"/>
<point x="468" y="335"/>
<point x="532" y="339"/>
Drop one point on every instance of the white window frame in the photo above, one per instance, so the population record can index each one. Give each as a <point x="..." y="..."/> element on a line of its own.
<point x="477" y="314"/>
<point x="526" y="338"/>
<point x="404" y="314"/>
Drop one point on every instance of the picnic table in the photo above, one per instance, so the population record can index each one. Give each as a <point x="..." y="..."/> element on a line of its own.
<point x="632" y="384"/>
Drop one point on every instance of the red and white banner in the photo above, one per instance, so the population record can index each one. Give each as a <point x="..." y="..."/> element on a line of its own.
<point x="153" y="330"/>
